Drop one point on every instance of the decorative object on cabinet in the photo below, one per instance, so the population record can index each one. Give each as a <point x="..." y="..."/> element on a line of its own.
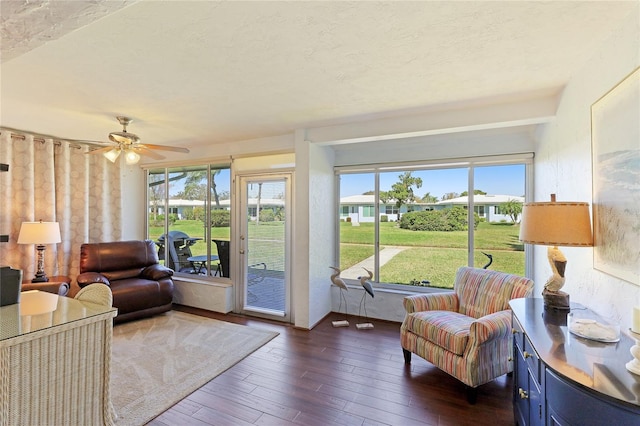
<point x="556" y="224"/>
<point x="592" y="329"/>
<point x="615" y="140"/>
<point x="634" y="364"/>
<point x="563" y="379"/>
<point x="39" y="233"/>
<point x="465" y="333"/>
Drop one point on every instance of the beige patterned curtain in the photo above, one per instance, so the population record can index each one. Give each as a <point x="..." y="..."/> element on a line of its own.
<point x="54" y="181"/>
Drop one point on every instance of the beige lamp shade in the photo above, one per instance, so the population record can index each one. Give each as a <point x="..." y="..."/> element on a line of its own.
<point x="39" y="233"/>
<point x="556" y="224"/>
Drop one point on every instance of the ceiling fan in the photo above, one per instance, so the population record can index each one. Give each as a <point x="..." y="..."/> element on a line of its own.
<point x="131" y="145"/>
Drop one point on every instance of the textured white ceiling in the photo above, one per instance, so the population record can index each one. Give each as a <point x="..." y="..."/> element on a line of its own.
<point x="200" y="72"/>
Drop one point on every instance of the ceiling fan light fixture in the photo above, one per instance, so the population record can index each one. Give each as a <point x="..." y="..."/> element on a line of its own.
<point x="131" y="157"/>
<point x="112" y="155"/>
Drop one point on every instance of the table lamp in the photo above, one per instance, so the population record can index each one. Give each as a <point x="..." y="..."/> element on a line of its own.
<point x="556" y="224"/>
<point x="39" y="233"/>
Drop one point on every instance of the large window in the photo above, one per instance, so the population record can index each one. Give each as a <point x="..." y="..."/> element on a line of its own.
<point x="416" y="227"/>
<point x="189" y="218"/>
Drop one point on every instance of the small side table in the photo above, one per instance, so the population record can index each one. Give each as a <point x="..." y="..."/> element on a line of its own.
<point x="57" y="285"/>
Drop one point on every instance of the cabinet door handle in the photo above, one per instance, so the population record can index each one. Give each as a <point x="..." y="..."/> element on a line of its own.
<point x="509" y="359"/>
<point x="526" y="354"/>
<point x="523" y="393"/>
<point x="514" y="331"/>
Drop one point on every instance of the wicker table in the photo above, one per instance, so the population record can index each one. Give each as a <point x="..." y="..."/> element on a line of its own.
<point x="55" y="356"/>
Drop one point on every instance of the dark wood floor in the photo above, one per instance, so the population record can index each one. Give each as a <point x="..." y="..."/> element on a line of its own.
<point x="335" y="376"/>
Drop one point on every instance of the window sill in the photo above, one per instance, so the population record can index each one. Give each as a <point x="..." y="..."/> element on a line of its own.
<point x="203" y="280"/>
<point x="399" y="288"/>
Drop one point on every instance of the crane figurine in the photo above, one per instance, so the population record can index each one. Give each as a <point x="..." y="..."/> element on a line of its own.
<point x="339" y="282"/>
<point x="490" y="257"/>
<point x="368" y="289"/>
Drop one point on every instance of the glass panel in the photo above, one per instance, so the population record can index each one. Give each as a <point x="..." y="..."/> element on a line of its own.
<point x="186" y="241"/>
<point x="500" y="190"/>
<point x="156" y="196"/>
<point x="357" y="232"/>
<point x="266" y="246"/>
<point x="428" y="245"/>
<point x="182" y="203"/>
<point x="220" y="229"/>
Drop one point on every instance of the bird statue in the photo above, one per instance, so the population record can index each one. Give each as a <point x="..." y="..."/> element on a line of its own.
<point x="368" y="288"/>
<point x="490" y="260"/>
<point x="366" y="284"/>
<point x="558" y="262"/>
<point x="551" y="293"/>
<point x="339" y="282"/>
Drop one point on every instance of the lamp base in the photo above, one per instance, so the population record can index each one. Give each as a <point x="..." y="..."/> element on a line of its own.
<point x="558" y="300"/>
<point x="41" y="279"/>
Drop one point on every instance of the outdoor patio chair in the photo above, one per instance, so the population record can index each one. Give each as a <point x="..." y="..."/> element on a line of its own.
<point x="179" y="247"/>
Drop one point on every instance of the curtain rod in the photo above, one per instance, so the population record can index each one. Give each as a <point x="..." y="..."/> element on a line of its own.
<point x="40" y="137"/>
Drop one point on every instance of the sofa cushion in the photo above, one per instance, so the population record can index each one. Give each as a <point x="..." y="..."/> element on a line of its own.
<point x="121" y="275"/>
<point x="136" y="294"/>
<point x="449" y="330"/>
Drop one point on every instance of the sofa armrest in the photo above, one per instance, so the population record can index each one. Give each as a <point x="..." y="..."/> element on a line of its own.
<point x="86" y="278"/>
<point x="490" y="327"/>
<point x="447" y="301"/>
<point x="156" y="272"/>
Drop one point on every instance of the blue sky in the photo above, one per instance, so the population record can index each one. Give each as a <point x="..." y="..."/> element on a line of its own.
<point x="494" y="180"/>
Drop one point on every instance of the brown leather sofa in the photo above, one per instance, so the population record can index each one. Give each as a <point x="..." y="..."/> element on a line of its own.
<point x="140" y="285"/>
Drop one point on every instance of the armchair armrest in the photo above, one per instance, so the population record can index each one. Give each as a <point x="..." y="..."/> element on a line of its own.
<point x="447" y="301"/>
<point x="156" y="272"/>
<point x="87" y="278"/>
<point x="490" y="327"/>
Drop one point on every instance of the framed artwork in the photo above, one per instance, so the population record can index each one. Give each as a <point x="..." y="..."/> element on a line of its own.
<point x="615" y="147"/>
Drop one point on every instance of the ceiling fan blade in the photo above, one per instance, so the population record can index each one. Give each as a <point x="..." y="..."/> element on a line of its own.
<point x="167" y="148"/>
<point x="142" y="150"/>
<point x="101" y="150"/>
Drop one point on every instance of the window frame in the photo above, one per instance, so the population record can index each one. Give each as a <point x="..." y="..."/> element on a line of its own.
<point x="471" y="163"/>
<point x="208" y="206"/>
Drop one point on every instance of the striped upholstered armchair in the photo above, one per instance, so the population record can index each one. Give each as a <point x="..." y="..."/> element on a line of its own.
<point x="466" y="332"/>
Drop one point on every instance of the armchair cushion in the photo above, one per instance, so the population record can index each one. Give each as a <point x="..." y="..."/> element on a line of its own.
<point x="449" y="330"/>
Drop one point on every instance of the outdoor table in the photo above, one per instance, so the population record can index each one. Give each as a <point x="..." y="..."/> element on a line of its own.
<point x="200" y="262"/>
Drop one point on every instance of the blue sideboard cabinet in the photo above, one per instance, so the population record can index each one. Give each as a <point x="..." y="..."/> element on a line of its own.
<point x="563" y="379"/>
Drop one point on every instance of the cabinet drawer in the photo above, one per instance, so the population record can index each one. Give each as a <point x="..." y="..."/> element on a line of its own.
<point x="570" y="405"/>
<point x="530" y="355"/>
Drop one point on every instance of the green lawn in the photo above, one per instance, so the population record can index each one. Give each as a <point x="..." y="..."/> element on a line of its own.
<point x="433" y="256"/>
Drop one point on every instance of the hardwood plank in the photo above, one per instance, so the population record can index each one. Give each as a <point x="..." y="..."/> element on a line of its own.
<point x="335" y="376"/>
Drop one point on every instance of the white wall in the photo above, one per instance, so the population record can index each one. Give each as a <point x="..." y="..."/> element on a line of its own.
<point x="563" y="166"/>
<point x="133" y="201"/>
<point x="314" y="235"/>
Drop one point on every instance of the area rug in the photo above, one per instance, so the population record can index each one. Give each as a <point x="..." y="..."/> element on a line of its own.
<point x="158" y="361"/>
